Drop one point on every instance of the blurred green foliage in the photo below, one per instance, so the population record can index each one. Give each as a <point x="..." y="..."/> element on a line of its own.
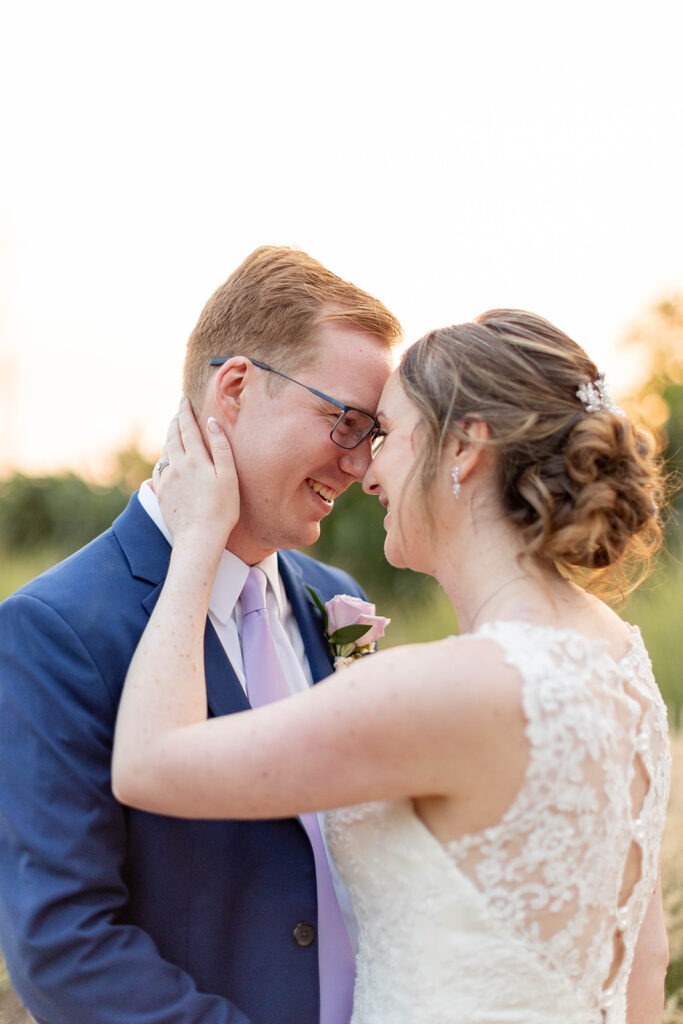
<point x="62" y="513"/>
<point x="658" y="336"/>
<point x="673" y="445"/>
<point x="657" y="608"/>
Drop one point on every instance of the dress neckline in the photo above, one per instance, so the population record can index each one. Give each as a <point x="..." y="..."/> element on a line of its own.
<point x="598" y="644"/>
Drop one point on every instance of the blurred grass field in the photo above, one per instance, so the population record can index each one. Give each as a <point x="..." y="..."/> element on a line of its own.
<point x="657" y="608"/>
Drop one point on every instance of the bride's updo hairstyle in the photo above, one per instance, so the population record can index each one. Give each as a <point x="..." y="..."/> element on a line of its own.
<point x="584" y="487"/>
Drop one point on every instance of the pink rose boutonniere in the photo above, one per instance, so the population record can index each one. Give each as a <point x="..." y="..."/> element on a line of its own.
<point x="351" y="627"/>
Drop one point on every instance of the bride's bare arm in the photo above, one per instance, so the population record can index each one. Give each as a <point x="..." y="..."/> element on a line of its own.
<point x="383" y="728"/>
<point x="645" y="995"/>
<point x="389" y="726"/>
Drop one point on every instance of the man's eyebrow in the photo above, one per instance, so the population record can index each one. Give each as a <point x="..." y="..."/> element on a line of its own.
<point x="351" y="405"/>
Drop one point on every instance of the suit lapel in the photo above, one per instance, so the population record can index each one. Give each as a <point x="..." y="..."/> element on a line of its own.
<point x="146" y="549"/>
<point x="148" y="554"/>
<point x="307" y="616"/>
<point x="224" y="692"/>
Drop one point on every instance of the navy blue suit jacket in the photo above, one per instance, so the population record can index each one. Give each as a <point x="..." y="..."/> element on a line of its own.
<point x="114" y="916"/>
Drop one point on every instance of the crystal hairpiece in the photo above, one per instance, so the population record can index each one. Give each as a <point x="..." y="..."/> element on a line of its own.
<point x="596" y="398"/>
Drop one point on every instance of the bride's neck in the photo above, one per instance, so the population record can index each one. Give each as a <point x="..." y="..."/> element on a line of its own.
<point x="484" y="577"/>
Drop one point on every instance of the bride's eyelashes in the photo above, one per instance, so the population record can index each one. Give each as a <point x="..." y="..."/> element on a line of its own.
<point x="377" y="440"/>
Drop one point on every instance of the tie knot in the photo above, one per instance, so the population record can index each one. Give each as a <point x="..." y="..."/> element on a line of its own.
<point x="254" y="591"/>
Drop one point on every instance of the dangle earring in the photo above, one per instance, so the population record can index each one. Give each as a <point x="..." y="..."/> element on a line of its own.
<point x="455" y="473"/>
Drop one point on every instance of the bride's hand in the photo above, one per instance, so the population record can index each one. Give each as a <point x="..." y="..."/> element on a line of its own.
<point x="198" y="489"/>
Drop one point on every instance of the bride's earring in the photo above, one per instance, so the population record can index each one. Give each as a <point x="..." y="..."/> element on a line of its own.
<point x="455" y="473"/>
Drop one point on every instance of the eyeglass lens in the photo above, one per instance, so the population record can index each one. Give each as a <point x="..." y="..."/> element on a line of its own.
<point x="376" y="444"/>
<point x="351" y="427"/>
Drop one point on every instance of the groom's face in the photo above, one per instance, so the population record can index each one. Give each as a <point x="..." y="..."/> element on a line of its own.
<point x="290" y="471"/>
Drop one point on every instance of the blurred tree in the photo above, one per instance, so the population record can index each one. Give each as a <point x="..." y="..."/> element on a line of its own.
<point x="131" y="467"/>
<point x="61" y="511"/>
<point x="658" y="336"/>
<point x="64" y="512"/>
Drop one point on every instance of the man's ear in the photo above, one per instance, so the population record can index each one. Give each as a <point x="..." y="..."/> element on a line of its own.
<point x="228" y="385"/>
<point x="469" y="452"/>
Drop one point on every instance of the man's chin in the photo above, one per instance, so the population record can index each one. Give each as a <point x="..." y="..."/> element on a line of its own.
<point x="300" y="536"/>
<point x="305" y="538"/>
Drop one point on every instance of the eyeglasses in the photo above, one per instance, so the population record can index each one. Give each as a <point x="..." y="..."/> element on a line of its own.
<point x="352" y="426"/>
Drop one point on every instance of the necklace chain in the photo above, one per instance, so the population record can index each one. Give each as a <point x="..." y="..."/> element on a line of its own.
<point x="515" y="579"/>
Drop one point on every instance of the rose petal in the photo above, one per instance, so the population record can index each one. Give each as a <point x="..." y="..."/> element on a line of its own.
<point x="377" y="624"/>
<point x="344" y="610"/>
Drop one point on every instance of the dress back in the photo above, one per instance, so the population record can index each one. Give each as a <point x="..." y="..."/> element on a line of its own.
<point x="533" y="920"/>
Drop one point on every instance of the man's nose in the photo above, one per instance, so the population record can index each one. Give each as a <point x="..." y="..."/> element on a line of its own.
<point x="355" y="461"/>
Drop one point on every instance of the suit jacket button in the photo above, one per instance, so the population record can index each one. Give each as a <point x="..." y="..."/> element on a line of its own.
<point x="304" y="934"/>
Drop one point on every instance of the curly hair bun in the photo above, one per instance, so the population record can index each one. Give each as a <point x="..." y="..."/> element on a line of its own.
<point x="602" y="499"/>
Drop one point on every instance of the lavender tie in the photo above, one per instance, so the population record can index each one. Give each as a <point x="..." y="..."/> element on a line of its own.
<point x="266" y="682"/>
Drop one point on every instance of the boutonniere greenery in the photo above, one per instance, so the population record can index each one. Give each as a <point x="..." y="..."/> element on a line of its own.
<point x="350" y="626"/>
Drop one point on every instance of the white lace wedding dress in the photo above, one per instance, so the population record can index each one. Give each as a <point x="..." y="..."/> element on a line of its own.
<point x="534" y="920"/>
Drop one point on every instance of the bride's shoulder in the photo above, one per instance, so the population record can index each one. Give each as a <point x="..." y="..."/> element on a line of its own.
<point x="495" y="664"/>
<point x="471" y="652"/>
<point x="490" y="649"/>
<point x="467" y="673"/>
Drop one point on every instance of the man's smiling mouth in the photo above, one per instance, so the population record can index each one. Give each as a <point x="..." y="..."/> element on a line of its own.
<point x="326" y="493"/>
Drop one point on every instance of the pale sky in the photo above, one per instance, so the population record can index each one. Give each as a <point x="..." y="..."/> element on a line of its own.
<point x="448" y="157"/>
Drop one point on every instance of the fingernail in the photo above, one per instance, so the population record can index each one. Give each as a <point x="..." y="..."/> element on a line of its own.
<point x="182" y="399"/>
<point x="213" y="425"/>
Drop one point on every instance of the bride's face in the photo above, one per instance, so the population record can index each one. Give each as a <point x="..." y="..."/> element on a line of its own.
<point x="389" y="478"/>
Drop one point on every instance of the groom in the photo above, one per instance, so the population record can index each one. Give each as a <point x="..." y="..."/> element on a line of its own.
<point x="111" y="915"/>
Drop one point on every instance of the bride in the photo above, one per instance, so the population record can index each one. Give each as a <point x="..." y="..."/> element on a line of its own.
<point x="496" y="800"/>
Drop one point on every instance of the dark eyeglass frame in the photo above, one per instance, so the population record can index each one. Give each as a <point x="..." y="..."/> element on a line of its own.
<point x="372" y="429"/>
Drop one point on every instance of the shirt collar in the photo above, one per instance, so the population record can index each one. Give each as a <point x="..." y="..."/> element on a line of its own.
<point x="232" y="571"/>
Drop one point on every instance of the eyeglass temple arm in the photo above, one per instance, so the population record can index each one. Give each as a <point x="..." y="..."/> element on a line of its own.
<point x="219" y="360"/>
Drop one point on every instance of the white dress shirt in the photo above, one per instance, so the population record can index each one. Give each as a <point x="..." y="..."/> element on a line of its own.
<point x="225" y="615"/>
